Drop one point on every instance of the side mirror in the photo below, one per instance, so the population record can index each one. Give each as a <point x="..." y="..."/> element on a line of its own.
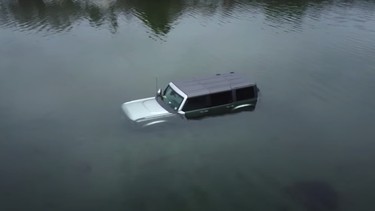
<point x="159" y="93"/>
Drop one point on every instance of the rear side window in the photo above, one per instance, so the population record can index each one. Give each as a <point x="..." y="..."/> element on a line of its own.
<point x="221" y="98"/>
<point x="245" y="93"/>
<point x="195" y="103"/>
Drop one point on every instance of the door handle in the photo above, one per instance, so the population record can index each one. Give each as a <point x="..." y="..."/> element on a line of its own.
<point x="230" y="106"/>
<point x="204" y="111"/>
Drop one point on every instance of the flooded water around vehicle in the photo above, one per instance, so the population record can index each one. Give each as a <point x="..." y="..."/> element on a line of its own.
<point x="66" y="67"/>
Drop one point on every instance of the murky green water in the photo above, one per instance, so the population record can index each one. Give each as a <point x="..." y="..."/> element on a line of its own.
<point x="66" y="66"/>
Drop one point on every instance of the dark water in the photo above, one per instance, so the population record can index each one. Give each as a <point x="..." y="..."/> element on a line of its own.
<point x="67" y="65"/>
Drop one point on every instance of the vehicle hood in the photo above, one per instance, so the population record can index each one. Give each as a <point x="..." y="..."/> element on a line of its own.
<point x="143" y="109"/>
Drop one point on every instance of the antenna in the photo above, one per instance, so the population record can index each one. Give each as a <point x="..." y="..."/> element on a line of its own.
<point x="156" y="83"/>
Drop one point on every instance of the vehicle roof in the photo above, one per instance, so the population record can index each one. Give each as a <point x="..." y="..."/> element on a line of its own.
<point x="212" y="84"/>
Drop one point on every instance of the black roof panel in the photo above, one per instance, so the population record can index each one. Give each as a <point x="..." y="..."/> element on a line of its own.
<point x="212" y="84"/>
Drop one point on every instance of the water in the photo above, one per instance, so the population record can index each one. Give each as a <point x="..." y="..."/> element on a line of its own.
<point x="66" y="66"/>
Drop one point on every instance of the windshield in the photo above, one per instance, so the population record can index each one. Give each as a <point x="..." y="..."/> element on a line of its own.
<point x="171" y="98"/>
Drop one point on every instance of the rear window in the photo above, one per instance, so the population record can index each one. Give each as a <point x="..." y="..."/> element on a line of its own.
<point x="221" y="98"/>
<point x="245" y="93"/>
<point x="195" y="103"/>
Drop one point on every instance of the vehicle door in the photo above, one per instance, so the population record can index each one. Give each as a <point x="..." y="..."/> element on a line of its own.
<point x="221" y="102"/>
<point x="196" y="107"/>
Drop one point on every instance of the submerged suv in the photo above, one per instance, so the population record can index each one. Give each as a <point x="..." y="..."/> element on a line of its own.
<point x="194" y="98"/>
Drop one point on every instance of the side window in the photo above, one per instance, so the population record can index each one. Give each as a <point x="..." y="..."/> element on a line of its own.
<point x="195" y="103"/>
<point x="221" y="98"/>
<point x="245" y="93"/>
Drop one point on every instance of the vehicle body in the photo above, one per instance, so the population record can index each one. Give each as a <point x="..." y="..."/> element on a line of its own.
<point x="195" y="98"/>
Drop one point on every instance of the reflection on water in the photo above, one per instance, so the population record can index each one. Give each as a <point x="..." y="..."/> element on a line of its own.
<point x="62" y="15"/>
<point x="160" y="16"/>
